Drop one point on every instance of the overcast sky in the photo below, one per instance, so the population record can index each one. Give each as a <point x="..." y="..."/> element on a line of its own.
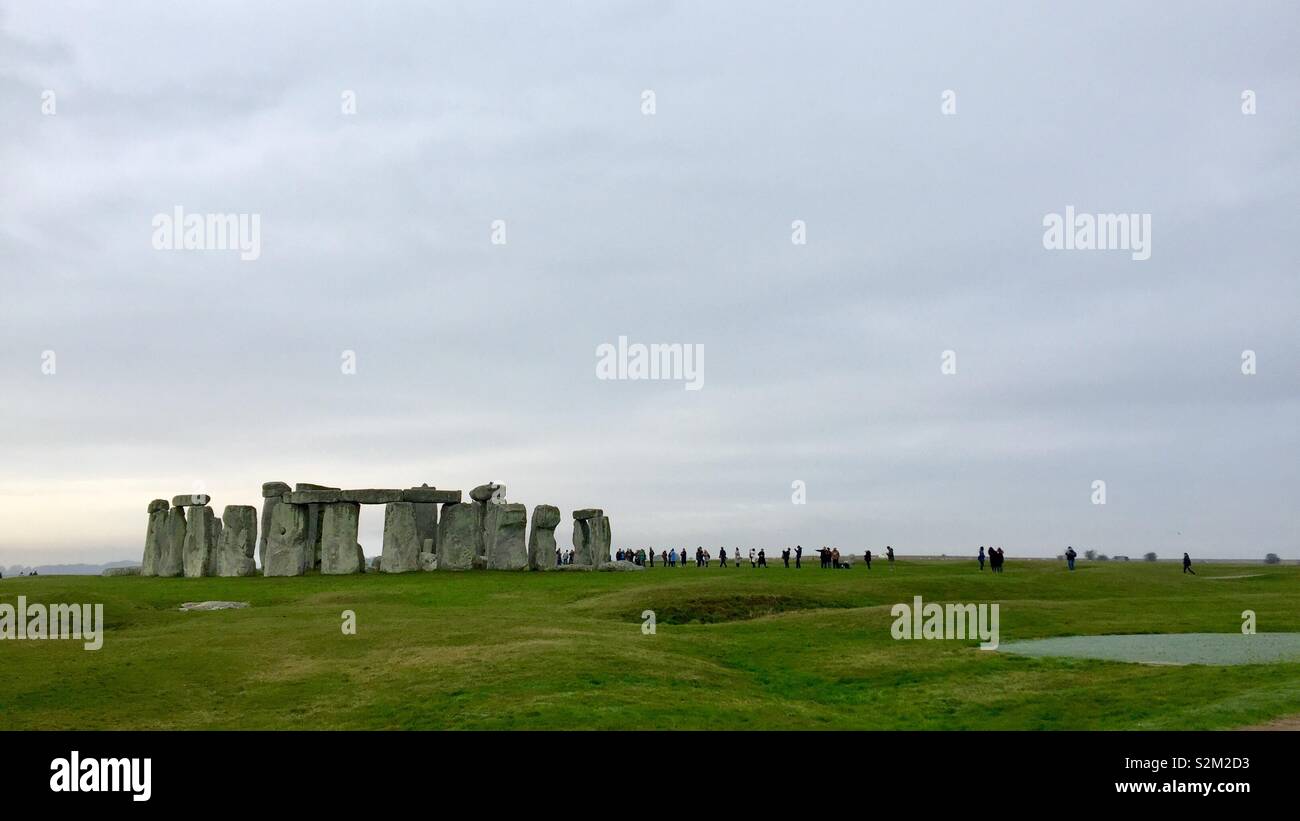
<point x="475" y="361"/>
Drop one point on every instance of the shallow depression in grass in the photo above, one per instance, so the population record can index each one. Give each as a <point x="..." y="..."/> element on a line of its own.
<point x="1169" y="648"/>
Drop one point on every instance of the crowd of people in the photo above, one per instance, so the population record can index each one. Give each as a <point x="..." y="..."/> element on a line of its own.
<point x="737" y="557"/>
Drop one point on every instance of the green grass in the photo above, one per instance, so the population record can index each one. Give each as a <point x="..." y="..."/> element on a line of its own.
<point x="734" y="649"/>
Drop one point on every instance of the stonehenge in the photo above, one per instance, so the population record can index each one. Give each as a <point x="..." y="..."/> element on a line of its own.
<point x="308" y="528"/>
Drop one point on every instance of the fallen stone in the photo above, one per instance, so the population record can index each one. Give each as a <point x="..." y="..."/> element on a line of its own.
<point x="237" y="541"/>
<point x="286" y="544"/>
<point x="588" y="513"/>
<point x="191" y="500"/>
<point x="200" y="541"/>
<point x="619" y="565"/>
<point x="506" y="525"/>
<point x="270" y="489"/>
<point x="401" y="544"/>
<point x="158" y="504"/>
<point x="171" y="558"/>
<point x="191" y="606"/>
<point x="428" y="561"/>
<point x="459" y="532"/>
<point x="541" y="537"/>
<point x="371" y="496"/>
<point x="134" y="570"/>
<point x="339" y="555"/>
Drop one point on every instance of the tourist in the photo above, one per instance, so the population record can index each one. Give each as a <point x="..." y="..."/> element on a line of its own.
<point x="762" y="558"/>
<point x="672" y="557"/>
<point x="981" y="558"/>
<point x="835" y="558"/>
<point x="722" y="554"/>
<point x="798" y="555"/>
<point x="707" y="557"/>
<point x="889" y="553"/>
<point x="1070" y="556"/>
<point x="751" y="558"/>
<point x="1187" y="564"/>
<point x="785" y="557"/>
<point x="866" y="557"/>
<point x="652" y="557"/>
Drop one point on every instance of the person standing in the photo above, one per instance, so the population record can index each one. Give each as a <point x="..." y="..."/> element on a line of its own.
<point x="1070" y="556"/>
<point x="722" y="557"/>
<point x="762" y="558"/>
<point x="981" y="558"/>
<point x="652" y="557"/>
<point x="798" y="556"/>
<point x="889" y="553"/>
<point x="867" y="558"/>
<point x="751" y="558"/>
<point x="1187" y="564"/>
<point x="785" y="557"/>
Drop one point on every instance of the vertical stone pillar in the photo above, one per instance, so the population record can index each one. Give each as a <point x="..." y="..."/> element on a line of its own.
<point x="591" y="537"/>
<point x="200" y="535"/>
<point x="286" y="544"/>
<point x="237" y="541"/>
<point x="154" y="538"/>
<point x="171" y="562"/>
<point x="426" y="517"/>
<point x="541" y="537"/>
<point x="314" y="515"/>
<point x="272" y="495"/>
<point x="339" y="549"/>
<point x="508" y="550"/>
<point x="458" y="535"/>
<point x="401" y="545"/>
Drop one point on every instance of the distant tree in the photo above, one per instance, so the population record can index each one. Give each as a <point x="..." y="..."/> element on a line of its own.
<point x="1272" y="558"/>
<point x="1089" y="554"/>
<point x="1103" y="558"/>
<point x="1151" y="557"/>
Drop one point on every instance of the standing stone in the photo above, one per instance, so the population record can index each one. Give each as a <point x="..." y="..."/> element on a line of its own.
<point x="426" y="521"/>
<point x="506" y="533"/>
<point x="591" y="541"/>
<point x="401" y="544"/>
<point x="154" y="543"/>
<point x="237" y="541"/>
<point x="286" y="545"/>
<point x="339" y="554"/>
<point x="459" y="533"/>
<point x="171" y="561"/>
<point x="200" y="541"/>
<point x="314" y="514"/>
<point x="272" y="495"/>
<point x="428" y="561"/>
<point x="541" y="537"/>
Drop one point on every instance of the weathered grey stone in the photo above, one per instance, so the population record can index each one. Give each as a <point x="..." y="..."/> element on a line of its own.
<point x="507" y="526"/>
<point x="314" y="517"/>
<point x="270" y="489"/>
<point x="339" y="539"/>
<point x="426" y="525"/>
<point x="591" y="541"/>
<point x="616" y="565"/>
<point x="158" y="504"/>
<point x="268" y="507"/>
<point x="588" y="513"/>
<point x="310" y="486"/>
<point x="237" y="541"/>
<point x="375" y="562"/>
<point x="121" y="571"/>
<point x="401" y="544"/>
<point x="200" y="541"/>
<point x="482" y="493"/>
<point x="191" y="500"/>
<point x="361" y="558"/>
<point x="313" y="497"/>
<point x="541" y="537"/>
<point x="431" y="496"/>
<point x="371" y="496"/>
<point x="155" y="541"/>
<point x="171" y="557"/>
<point x="286" y="544"/>
<point x="428" y="561"/>
<point x="459" y="532"/>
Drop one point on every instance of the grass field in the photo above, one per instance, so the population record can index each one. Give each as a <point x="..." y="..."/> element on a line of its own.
<point x="743" y="649"/>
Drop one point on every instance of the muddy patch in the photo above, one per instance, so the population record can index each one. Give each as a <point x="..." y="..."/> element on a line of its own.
<point x="1168" y="648"/>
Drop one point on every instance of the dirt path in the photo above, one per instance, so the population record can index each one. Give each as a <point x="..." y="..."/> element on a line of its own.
<point x="1283" y="723"/>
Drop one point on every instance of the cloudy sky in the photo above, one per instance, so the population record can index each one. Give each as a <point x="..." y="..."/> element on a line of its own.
<point x="476" y="361"/>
